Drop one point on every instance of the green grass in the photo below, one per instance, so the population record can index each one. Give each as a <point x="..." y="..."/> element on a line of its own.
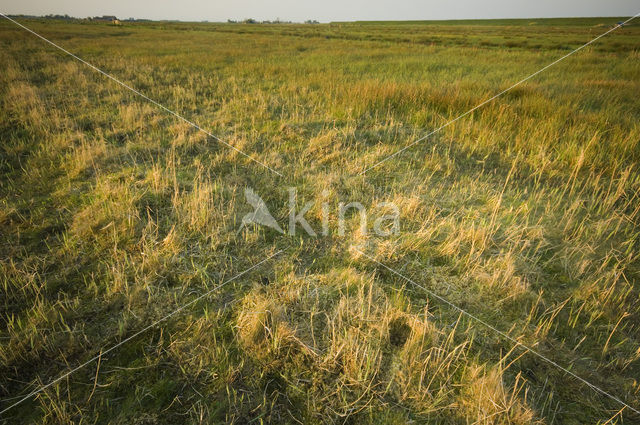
<point x="525" y="213"/>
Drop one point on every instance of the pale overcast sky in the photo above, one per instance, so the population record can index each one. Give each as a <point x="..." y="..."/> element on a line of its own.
<point x="323" y="10"/>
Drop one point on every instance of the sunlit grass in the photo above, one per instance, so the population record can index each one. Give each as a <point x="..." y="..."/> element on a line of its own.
<point x="525" y="213"/>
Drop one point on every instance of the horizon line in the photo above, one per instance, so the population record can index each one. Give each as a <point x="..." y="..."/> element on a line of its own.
<point x="60" y="16"/>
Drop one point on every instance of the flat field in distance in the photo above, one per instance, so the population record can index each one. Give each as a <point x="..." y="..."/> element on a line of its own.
<point x="524" y="213"/>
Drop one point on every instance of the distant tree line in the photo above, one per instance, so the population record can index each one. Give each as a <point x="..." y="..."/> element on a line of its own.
<point x="277" y="21"/>
<point x="112" y="18"/>
<point x="106" y="18"/>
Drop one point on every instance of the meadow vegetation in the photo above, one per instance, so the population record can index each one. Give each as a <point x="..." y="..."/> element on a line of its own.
<point x="525" y="213"/>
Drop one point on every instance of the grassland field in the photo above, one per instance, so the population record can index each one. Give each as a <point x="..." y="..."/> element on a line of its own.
<point x="525" y="213"/>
